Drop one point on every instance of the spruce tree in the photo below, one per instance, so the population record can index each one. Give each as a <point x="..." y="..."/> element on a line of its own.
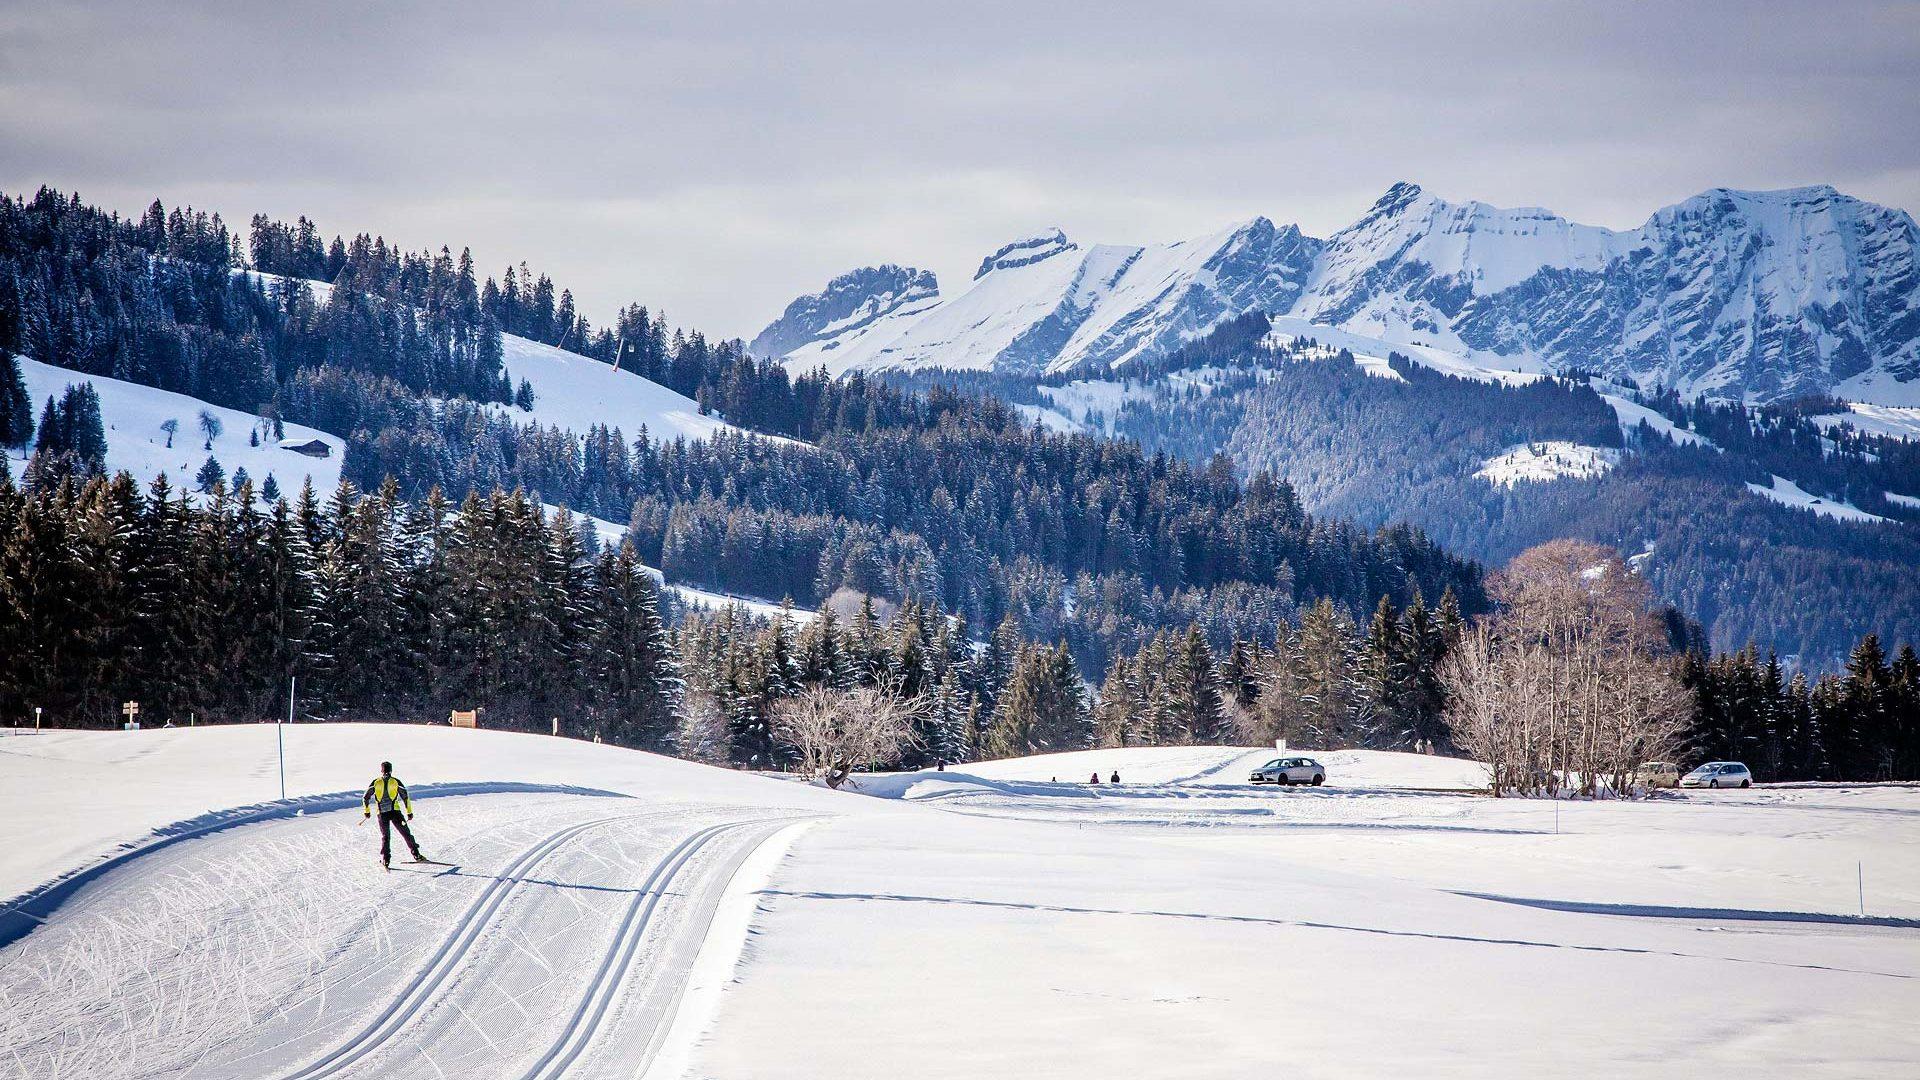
<point x="1043" y="708"/>
<point x="16" y="408"/>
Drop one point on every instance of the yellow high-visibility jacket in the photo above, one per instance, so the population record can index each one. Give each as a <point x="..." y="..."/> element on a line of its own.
<point x="386" y="793"/>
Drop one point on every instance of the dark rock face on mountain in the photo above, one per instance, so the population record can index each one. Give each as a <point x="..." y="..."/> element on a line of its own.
<point x="1754" y="295"/>
<point x="850" y="303"/>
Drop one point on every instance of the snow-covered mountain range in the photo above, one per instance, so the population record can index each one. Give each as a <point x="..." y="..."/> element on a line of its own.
<point x="1738" y="294"/>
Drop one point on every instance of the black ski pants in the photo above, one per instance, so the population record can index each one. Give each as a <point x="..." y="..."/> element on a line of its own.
<point x="394" y="819"/>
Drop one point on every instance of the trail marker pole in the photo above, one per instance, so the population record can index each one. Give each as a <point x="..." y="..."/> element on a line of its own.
<point x="36" y="718"/>
<point x="280" y="736"/>
<point x="1860" y="879"/>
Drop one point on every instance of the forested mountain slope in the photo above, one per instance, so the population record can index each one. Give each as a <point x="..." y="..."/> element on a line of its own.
<point x="813" y="486"/>
<point x="1492" y="467"/>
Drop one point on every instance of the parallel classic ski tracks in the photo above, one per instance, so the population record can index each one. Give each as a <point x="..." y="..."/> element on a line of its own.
<point x="608" y="978"/>
<point x="445" y="961"/>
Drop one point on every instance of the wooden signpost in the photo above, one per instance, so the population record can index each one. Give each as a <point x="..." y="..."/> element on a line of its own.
<point x="131" y="710"/>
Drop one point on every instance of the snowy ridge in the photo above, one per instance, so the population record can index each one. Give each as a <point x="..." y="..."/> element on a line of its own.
<point x="1752" y="295"/>
<point x="850" y="305"/>
<point x="1043" y="303"/>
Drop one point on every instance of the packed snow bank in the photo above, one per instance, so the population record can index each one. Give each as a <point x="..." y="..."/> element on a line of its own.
<point x="1070" y="774"/>
<point x="138" y="781"/>
<point x="1789" y="494"/>
<point x="133" y="414"/>
<point x="1388" y="769"/>
<point x="1551" y="460"/>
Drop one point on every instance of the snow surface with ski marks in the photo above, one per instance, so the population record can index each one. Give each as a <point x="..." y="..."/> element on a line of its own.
<point x="1180" y="923"/>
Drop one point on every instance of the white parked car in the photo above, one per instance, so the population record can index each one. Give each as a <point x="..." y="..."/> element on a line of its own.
<point x="1290" y="770"/>
<point x="1718" y="774"/>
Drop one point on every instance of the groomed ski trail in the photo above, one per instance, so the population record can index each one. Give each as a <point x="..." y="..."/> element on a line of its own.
<point x="445" y="960"/>
<point x="659" y="999"/>
<point x="612" y="976"/>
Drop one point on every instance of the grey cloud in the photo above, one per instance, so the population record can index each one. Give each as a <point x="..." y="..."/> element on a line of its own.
<point x="715" y="159"/>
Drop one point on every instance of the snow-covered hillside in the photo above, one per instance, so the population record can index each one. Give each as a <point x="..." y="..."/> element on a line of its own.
<point x="575" y="392"/>
<point x="136" y="444"/>
<point x="1755" y="295"/>
<point x="600" y="912"/>
<point x="1787" y="493"/>
<point x="1549" y="460"/>
<point x="1899" y="423"/>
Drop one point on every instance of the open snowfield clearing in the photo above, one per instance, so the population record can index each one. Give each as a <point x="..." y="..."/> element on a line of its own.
<point x="136" y="444"/>
<point x="1789" y="494"/>
<point x="610" y="913"/>
<point x="1548" y="460"/>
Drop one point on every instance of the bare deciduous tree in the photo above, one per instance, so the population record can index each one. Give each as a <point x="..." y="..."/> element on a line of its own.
<point x="837" y="731"/>
<point x="1570" y="684"/>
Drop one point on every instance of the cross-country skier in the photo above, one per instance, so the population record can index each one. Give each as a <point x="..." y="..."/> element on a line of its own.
<point x="389" y="795"/>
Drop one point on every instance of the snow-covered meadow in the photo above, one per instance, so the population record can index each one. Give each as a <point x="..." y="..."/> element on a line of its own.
<point x="617" y="913"/>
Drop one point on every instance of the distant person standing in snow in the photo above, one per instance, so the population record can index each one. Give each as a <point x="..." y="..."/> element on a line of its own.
<point x="389" y="795"/>
<point x="1116" y="777"/>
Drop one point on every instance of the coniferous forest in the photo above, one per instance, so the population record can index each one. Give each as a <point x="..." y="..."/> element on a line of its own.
<point x="944" y="547"/>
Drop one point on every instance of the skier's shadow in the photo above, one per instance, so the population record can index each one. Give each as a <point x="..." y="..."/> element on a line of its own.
<point x="458" y="871"/>
<point x="434" y="869"/>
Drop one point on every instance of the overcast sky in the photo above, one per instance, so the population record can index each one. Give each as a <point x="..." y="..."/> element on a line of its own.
<point x="716" y="159"/>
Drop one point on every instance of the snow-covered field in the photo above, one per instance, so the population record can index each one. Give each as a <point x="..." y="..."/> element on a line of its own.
<point x="620" y="914"/>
